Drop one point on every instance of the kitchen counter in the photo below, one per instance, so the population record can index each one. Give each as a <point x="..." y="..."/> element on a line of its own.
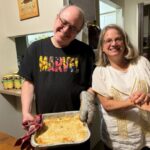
<point x="13" y="92"/>
<point x="7" y="142"/>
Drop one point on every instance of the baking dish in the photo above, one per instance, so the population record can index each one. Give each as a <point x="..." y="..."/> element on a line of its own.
<point x="67" y="126"/>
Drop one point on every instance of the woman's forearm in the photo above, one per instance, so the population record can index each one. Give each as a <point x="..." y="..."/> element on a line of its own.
<point x="111" y="104"/>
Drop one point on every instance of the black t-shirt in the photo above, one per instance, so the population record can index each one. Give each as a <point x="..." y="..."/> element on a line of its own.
<point x="58" y="74"/>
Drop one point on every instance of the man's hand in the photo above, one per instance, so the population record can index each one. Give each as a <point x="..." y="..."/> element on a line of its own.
<point x="87" y="107"/>
<point x="27" y="117"/>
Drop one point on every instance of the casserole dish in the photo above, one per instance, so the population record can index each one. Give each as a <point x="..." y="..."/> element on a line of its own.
<point x="61" y="129"/>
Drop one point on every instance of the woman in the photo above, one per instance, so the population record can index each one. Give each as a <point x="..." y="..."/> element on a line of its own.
<point x="122" y="83"/>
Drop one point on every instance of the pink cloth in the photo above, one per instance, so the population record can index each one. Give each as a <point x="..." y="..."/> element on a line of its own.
<point x="31" y="127"/>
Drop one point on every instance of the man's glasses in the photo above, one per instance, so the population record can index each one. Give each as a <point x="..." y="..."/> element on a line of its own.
<point x="65" y="23"/>
<point x="110" y="41"/>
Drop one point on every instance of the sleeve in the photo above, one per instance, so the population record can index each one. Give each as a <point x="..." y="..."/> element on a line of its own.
<point x="98" y="82"/>
<point x="145" y="64"/>
<point x="91" y="65"/>
<point x="26" y="67"/>
<point x="86" y="69"/>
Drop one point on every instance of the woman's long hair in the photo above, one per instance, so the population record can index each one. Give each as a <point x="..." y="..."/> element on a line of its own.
<point x="130" y="52"/>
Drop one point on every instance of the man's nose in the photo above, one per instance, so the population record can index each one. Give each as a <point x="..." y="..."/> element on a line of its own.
<point x="66" y="28"/>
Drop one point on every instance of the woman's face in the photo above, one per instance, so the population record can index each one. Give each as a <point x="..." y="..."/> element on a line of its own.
<point x="113" y="44"/>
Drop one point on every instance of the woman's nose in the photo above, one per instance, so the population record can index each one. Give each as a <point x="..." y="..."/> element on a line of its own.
<point x="113" y="42"/>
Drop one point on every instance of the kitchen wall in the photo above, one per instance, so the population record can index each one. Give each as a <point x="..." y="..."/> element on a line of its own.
<point x="8" y="115"/>
<point x="47" y="9"/>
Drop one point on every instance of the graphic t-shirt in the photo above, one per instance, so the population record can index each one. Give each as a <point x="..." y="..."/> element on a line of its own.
<point x="58" y="74"/>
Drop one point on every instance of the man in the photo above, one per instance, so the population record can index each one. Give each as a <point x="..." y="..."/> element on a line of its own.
<point x="58" y="69"/>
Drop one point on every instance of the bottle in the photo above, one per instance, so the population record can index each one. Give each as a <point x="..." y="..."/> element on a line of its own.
<point x="5" y="82"/>
<point x="17" y="82"/>
<point x="9" y="82"/>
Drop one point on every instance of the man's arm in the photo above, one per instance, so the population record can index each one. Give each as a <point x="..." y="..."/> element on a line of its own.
<point x="27" y="94"/>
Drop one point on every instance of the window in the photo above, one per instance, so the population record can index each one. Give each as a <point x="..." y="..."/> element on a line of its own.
<point x="109" y="13"/>
<point x="24" y="41"/>
<point x="34" y="37"/>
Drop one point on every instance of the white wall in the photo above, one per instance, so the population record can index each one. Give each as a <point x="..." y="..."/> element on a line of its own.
<point x="47" y="10"/>
<point x="7" y="48"/>
<point x="8" y="115"/>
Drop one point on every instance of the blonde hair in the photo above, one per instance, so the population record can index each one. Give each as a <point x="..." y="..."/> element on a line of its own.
<point x="130" y="52"/>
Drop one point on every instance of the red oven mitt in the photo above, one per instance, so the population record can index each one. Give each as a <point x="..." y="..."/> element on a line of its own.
<point x="31" y="127"/>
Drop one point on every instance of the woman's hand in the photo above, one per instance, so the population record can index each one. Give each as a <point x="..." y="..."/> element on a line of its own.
<point x="144" y="106"/>
<point x="140" y="98"/>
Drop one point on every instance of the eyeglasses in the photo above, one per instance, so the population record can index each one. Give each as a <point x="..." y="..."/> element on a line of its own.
<point x="110" y="41"/>
<point x="65" y="23"/>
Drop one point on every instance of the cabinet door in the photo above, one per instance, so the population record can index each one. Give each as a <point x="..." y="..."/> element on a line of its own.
<point x="140" y="27"/>
<point x="144" y="29"/>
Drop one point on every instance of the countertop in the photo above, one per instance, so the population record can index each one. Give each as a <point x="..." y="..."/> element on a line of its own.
<point x="13" y="92"/>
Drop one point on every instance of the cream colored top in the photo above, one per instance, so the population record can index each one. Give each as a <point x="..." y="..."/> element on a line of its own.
<point x="126" y="129"/>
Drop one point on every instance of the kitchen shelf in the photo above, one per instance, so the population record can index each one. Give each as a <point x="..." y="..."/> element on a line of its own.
<point x="12" y="92"/>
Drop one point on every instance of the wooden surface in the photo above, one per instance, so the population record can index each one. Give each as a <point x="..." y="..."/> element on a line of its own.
<point x="11" y="92"/>
<point x="7" y="142"/>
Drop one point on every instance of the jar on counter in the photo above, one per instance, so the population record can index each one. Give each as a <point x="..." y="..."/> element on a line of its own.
<point x="4" y="82"/>
<point x="17" y="82"/>
<point x="10" y="83"/>
<point x="7" y="82"/>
